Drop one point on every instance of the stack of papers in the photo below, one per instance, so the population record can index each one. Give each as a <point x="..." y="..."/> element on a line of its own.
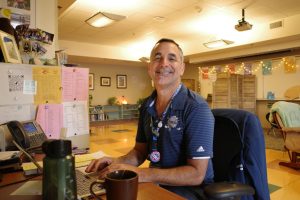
<point x="80" y="161"/>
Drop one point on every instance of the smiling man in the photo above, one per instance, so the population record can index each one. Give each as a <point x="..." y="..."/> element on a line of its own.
<point x="175" y="131"/>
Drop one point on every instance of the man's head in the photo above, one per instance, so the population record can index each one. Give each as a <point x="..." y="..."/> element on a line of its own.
<point x="169" y="41"/>
<point x="166" y="63"/>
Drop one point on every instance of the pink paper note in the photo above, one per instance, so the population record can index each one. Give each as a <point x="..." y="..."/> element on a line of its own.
<point x="75" y="84"/>
<point x="50" y="118"/>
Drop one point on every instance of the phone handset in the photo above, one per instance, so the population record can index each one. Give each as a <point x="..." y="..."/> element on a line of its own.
<point x="18" y="133"/>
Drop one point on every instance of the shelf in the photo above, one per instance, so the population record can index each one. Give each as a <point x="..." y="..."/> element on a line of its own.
<point x="113" y="112"/>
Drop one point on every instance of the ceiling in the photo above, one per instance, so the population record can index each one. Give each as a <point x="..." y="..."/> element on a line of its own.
<point x="189" y="22"/>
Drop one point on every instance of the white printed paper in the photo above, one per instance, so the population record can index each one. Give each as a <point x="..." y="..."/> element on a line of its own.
<point x="29" y="87"/>
<point x="76" y="118"/>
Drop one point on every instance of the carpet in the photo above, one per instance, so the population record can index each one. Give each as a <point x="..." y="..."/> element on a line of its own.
<point x="274" y="141"/>
<point x="273" y="188"/>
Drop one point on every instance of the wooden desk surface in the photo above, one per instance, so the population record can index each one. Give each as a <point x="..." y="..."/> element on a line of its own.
<point x="147" y="191"/>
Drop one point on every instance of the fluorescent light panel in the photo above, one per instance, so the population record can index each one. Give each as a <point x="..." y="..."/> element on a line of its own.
<point x="217" y="43"/>
<point x="102" y="19"/>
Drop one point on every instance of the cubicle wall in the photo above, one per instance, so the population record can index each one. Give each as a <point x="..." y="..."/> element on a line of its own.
<point x="54" y="96"/>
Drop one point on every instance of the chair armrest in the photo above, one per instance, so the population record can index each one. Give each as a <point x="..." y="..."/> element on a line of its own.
<point x="222" y="190"/>
<point x="291" y="129"/>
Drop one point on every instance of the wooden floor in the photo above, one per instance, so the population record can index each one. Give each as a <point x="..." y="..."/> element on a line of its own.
<point x="118" y="138"/>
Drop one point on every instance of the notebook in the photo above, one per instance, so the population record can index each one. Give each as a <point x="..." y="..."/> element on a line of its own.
<point x="83" y="180"/>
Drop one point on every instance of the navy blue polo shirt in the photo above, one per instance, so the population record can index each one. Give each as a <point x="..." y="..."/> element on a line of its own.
<point x="186" y="132"/>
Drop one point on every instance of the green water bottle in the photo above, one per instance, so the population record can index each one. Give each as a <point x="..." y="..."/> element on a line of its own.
<point x="59" y="180"/>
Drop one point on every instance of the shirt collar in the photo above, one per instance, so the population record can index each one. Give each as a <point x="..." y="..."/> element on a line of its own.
<point x="178" y="101"/>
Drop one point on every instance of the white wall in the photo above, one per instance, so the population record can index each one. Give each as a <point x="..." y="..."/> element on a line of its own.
<point x="46" y="19"/>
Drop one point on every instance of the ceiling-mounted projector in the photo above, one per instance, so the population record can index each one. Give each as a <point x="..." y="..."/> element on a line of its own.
<point x="243" y="25"/>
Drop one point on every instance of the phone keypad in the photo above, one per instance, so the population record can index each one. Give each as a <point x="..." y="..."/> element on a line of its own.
<point x="37" y="139"/>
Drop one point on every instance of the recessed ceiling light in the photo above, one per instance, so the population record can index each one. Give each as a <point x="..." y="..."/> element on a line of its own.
<point x="102" y="19"/>
<point x="217" y="43"/>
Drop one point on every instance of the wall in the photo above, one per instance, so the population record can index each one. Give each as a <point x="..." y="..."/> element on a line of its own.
<point x="138" y="81"/>
<point x="46" y="19"/>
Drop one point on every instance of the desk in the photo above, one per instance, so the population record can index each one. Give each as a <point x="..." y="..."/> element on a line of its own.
<point x="147" y="191"/>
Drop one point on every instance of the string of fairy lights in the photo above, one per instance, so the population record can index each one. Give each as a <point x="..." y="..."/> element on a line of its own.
<point x="254" y="67"/>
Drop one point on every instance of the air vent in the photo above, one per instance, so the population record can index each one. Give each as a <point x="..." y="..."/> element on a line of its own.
<point x="277" y="24"/>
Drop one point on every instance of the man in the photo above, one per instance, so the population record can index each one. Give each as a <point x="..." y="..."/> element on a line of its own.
<point x="175" y="130"/>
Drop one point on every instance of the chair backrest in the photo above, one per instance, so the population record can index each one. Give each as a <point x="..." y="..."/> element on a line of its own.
<point x="272" y="123"/>
<point x="227" y="146"/>
<point x="239" y="134"/>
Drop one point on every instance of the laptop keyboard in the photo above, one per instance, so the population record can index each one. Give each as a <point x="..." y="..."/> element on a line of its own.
<point x="83" y="185"/>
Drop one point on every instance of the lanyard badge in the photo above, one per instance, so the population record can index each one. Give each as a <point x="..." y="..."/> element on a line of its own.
<point x="155" y="155"/>
<point x="155" y="128"/>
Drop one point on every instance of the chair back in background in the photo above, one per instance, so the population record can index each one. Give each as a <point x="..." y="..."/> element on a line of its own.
<point x="249" y="165"/>
<point x="227" y="147"/>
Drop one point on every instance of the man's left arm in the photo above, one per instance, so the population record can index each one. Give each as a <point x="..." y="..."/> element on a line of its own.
<point x="192" y="173"/>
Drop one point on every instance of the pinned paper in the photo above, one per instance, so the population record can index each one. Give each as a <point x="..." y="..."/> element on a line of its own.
<point x="76" y="118"/>
<point x="75" y="84"/>
<point x="50" y="118"/>
<point x="48" y="84"/>
<point x="29" y="87"/>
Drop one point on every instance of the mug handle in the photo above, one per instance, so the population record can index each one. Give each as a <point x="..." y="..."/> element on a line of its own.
<point x="100" y="182"/>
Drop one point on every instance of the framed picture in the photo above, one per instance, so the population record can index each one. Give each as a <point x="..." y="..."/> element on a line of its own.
<point x="189" y="83"/>
<point x="9" y="48"/>
<point x="91" y="81"/>
<point x="121" y="81"/>
<point x="105" y="81"/>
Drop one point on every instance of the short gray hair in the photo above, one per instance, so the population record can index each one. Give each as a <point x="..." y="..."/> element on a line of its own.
<point x="169" y="41"/>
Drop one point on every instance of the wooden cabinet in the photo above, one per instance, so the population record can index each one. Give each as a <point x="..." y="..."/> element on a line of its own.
<point x="234" y="91"/>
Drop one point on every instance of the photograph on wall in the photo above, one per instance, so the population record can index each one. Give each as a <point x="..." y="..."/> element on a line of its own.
<point x="37" y="48"/>
<point x="105" y="81"/>
<point x="19" y="4"/>
<point x="21" y="12"/>
<point x="19" y="19"/>
<point x="121" y="81"/>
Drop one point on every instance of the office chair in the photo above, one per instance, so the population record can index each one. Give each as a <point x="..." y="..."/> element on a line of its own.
<point x="287" y="116"/>
<point x="273" y="124"/>
<point x="239" y="157"/>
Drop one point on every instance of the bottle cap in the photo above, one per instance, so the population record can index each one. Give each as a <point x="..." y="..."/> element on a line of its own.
<point x="57" y="148"/>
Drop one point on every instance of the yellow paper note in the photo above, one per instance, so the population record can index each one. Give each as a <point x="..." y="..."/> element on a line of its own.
<point x="48" y="84"/>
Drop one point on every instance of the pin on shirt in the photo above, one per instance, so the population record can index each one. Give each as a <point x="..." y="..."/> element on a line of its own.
<point x="159" y="124"/>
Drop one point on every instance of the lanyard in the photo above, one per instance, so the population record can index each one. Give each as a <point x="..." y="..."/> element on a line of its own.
<point x="155" y="128"/>
<point x="155" y="131"/>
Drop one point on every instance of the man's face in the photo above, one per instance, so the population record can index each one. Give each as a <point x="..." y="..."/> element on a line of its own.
<point x="166" y="65"/>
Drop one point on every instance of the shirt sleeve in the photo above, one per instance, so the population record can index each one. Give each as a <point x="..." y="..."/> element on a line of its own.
<point x="199" y="131"/>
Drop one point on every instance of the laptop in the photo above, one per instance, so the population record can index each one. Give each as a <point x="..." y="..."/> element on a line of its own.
<point x="83" y="180"/>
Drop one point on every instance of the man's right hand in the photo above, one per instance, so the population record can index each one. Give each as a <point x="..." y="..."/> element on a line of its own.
<point x="99" y="164"/>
